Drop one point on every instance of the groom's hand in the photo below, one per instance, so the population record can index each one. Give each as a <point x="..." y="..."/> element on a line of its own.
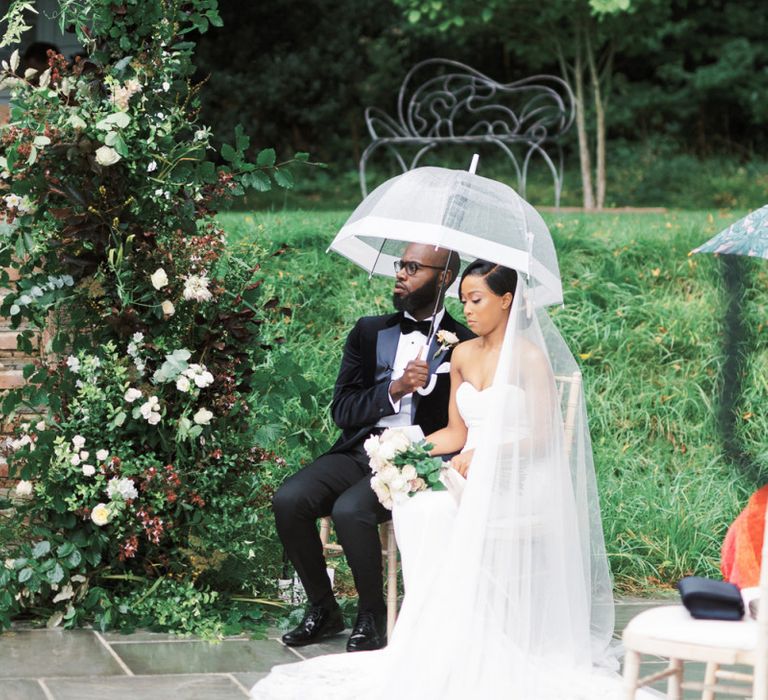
<point x="414" y="377"/>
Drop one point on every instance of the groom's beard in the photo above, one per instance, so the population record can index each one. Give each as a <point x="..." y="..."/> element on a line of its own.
<point x="426" y="295"/>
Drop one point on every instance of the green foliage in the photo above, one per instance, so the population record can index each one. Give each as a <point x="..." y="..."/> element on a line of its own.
<point x="142" y="463"/>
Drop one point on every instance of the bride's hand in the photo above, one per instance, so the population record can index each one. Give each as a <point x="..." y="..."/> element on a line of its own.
<point x="461" y="462"/>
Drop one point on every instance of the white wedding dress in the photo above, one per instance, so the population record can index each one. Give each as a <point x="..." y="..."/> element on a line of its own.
<point x="432" y="654"/>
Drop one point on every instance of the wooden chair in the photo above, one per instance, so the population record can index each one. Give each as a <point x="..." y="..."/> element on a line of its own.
<point x="671" y="632"/>
<point x="389" y="552"/>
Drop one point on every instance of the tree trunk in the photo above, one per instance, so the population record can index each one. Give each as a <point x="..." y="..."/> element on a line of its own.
<point x="600" y="176"/>
<point x="588" y="197"/>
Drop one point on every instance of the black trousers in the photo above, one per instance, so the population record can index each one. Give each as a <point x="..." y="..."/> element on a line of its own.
<point x="335" y="484"/>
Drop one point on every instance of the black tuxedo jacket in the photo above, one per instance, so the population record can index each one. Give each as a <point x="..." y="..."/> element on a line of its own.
<point x="361" y="395"/>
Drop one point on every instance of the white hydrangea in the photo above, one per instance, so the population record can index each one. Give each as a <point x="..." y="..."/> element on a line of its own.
<point x="203" y="416"/>
<point x="123" y="489"/>
<point x="24" y="488"/>
<point x="150" y="410"/>
<point x="74" y="364"/>
<point x="199" y="375"/>
<point x="196" y="288"/>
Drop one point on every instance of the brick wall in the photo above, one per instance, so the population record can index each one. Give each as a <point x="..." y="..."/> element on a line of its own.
<point x="11" y="375"/>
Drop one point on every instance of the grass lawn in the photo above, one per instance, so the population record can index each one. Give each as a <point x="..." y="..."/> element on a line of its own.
<point x="646" y="321"/>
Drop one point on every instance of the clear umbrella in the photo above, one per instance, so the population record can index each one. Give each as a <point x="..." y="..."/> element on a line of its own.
<point x="747" y="236"/>
<point x="455" y="210"/>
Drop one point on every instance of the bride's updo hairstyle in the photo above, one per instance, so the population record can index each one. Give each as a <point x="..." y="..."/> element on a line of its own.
<point x="499" y="279"/>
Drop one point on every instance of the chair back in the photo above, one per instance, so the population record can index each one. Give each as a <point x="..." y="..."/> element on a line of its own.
<point x="760" y="687"/>
<point x="569" y="393"/>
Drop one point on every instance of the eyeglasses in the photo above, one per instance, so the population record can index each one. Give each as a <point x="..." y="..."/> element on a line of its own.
<point x="411" y="267"/>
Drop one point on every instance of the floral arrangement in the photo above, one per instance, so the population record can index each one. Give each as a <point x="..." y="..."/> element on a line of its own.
<point x="136" y="440"/>
<point x="401" y="467"/>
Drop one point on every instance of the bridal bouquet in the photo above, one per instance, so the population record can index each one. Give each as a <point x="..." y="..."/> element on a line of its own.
<point x="401" y="466"/>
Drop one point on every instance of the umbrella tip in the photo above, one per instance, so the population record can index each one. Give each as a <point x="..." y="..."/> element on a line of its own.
<point x="473" y="164"/>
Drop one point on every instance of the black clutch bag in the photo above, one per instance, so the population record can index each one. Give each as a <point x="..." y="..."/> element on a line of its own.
<point x="706" y="599"/>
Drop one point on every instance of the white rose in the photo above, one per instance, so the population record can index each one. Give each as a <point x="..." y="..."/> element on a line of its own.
<point x="88" y="470"/>
<point x="182" y="384"/>
<point x="159" y="278"/>
<point x="131" y="395"/>
<point x="382" y="492"/>
<point x="84" y="455"/>
<point x="203" y="380"/>
<point x="371" y="446"/>
<point x="24" y="488"/>
<point x="101" y="455"/>
<point x="388" y="473"/>
<point x="168" y="308"/>
<point x="409" y="472"/>
<point x="107" y="156"/>
<point x="152" y="166"/>
<point x="153" y="418"/>
<point x="447" y="338"/>
<point x="101" y="514"/>
<point x="78" y="441"/>
<point x="75" y="460"/>
<point x="397" y="439"/>
<point x="202" y="417"/>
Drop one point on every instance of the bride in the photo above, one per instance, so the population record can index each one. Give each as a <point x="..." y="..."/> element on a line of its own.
<point x="508" y="593"/>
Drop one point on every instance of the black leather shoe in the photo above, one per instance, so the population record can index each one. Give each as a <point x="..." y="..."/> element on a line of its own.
<point x="318" y="623"/>
<point x="369" y="633"/>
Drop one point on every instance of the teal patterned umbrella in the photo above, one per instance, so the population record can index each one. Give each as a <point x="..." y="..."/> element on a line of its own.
<point x="748" y="236"/>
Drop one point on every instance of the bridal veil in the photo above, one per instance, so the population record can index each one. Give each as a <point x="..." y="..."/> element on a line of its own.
<point x="522" y="605"/>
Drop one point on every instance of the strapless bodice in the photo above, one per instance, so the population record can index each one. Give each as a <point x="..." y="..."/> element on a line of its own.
<point x="475" y="405"/>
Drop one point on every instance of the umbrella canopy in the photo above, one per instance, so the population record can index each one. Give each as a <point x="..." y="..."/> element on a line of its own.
<point x="748" y="236"/>
<point x="455" y="210"/>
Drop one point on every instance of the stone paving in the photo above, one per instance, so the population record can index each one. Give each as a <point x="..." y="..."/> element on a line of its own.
<point x="41" y="664"/>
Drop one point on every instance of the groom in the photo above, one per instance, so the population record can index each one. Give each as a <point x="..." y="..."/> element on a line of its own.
<point x="382" y="383"/>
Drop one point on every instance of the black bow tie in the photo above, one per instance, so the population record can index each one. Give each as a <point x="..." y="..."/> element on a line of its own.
<point x="408" y="325"/>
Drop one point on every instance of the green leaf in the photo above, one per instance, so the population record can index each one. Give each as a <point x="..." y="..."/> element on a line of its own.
<point x="228" y="153"/>
<point x="242" y="141"/>
<point x="65" y="549"/>
<point x="25" y="574"/>
<point x="119" y="419"/>
<point x="266" y="158"/>
<point x="301" y="156"/>
<point x="284" y="178"/>
<point x="41" y="549"/>
<point x="74" y="559"/>
<point x="56" y="574"/>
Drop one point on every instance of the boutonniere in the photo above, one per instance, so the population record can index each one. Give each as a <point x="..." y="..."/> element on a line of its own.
<point x="447" y="340"/>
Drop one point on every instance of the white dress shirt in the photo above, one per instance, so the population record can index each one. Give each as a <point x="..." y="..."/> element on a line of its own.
<point x="408" y="348"/>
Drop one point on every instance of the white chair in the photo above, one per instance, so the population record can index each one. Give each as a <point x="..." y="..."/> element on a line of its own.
<point x="671" y="632"/>
<point x="389" y="552"/>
